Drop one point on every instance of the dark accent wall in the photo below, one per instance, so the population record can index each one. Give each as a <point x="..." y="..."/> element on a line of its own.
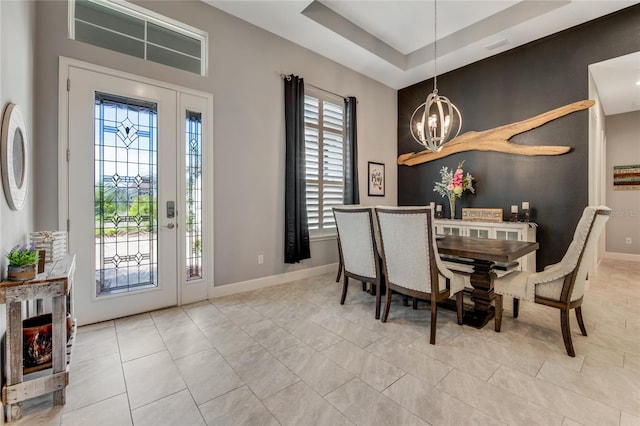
<point x="509" y="87"/>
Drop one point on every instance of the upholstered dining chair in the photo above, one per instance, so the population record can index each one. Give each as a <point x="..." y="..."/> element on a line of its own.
<point x="358" y="250"/>
<point x="560" y="285"/>
<point x="411" y="263"/>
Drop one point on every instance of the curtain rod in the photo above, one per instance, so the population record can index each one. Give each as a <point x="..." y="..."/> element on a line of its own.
<point x="287" y="76"/>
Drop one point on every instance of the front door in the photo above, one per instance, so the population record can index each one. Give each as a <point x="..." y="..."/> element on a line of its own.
<point x="122" y="193"/>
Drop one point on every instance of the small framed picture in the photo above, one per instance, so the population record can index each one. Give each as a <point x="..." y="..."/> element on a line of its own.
<point x="376" y="179"/>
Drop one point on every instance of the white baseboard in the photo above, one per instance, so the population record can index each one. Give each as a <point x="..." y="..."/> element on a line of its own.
<point x="622" y="256"/>
<point x="242" y="286"/>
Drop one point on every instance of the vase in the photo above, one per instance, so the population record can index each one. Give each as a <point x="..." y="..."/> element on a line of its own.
<point x="452" y="207"/>
<point x="21" y="273"/>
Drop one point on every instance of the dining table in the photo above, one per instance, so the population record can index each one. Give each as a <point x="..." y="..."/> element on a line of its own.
<point x="485" y="256"/>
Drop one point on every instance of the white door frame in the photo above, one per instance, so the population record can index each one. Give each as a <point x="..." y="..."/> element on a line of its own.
<point x="188" y="292"/>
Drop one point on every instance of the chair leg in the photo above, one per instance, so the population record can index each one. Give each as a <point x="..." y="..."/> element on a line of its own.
<point x="378" y="296"/>
<point x="434" y="316"/>
<point x="364" y="286"/>
<point x="405" y="300"/>
<point x="345" y="286"/>
<point x="387" y="306"/>
<point x="340" y="268"/>
<point x="516" y="307"/>
<point x="415" y="303"/>
<point x="566" y="332"/>
<point x="498" y="318"/>
<point x="580" y="322"/>
<point x="459" y="306"/>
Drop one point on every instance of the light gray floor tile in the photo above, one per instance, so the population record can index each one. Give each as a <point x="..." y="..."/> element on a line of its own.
<point x="134" y="322"/>
<point x="112" y="411"/>
<point x="227" y="337"/>
<point x="425" y="368"/>
<point x="299" y="404"/>
<point x="318" y="371"/>
<point x="150" y="378"/>
<point x="138" y="342"/>
<point x="349" y="330"/>
<point x="170" y="317"/>
<point x="270" y="335"/>
<point x="456" y="357"/>
<point x="184" y="340"/>
<point x="614" y="386"/>
<point x="556" y="398"/>
<point x="177" y="409"/>
<point x="264" y="374"/>
<point x="238" y="407"/>
<point x="94" y="380"/>
<point x="496" y="402"/>
<point x="95" y="344"/>
<point x="373" y="370"/>
<point x="434" y="406"/>
<point x="363" y="405"/>
<point x="207" y="375"/>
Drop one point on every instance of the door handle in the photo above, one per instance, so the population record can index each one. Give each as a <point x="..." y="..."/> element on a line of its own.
<point x="170" y="226"/>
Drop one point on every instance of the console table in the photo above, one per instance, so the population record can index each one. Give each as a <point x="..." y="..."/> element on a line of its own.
<point x="55" y="283"/>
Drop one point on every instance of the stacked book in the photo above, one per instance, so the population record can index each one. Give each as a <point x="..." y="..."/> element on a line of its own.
<point x="54" y="243"/>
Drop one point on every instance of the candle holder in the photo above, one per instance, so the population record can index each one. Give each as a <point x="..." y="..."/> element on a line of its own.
<point x="525" y="215"/>
<point x="439" y="211"/>
<point x="514" y="217"/>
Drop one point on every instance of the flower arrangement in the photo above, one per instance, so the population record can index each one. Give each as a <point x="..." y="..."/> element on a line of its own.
<point x="453" y="184"/>
<point x="23" y="255"/>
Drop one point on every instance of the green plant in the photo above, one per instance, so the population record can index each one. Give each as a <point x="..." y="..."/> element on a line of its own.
<point x="23" y="255"/>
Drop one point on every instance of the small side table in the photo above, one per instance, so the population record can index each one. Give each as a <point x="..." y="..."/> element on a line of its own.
<point x="55" y="283"/>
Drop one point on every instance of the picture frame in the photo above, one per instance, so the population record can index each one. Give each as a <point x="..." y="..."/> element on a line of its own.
<point x="376" y="179"/>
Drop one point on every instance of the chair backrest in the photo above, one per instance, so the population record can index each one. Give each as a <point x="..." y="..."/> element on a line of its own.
<point x="585" y="241"/>
<point x="408" y="248"/>
<point x="565" y="281"/>
<point x="357" y="242"/>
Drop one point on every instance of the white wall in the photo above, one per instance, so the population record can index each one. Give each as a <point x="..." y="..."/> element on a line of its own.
<point x="17" y="38"/>
<point x="623" y="132"/>
<point x="245" y="63"/>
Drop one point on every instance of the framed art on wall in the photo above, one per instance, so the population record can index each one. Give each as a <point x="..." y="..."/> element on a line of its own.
<point x="376" y="179"/>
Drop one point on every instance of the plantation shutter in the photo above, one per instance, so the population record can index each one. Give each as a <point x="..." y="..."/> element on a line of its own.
<point x="324" y="145"/>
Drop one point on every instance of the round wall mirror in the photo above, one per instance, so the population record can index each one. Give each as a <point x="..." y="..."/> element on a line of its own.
<point x="14" y="156"/>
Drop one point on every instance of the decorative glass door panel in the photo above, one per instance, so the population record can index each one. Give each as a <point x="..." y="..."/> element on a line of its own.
<point x="193" y="182"/>
<point x="126" y="194"/>
<point x="122" y="186"/>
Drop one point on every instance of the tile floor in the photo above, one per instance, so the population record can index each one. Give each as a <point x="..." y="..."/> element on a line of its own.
<point x="291" y="355"/>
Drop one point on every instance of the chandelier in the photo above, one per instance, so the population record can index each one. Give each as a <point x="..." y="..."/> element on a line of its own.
<point x="438" y="116"/>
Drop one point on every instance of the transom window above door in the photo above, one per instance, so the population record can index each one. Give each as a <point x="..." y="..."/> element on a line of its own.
<point x="135" y="31"/>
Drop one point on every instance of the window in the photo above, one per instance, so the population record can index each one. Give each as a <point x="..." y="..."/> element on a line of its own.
<point x="135" y="31"/>
<point x="324" y="150"/>
<point x="193" y="183"/>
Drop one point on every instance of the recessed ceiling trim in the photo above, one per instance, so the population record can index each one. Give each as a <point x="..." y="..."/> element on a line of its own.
<point x="507" y="18"/>
<point x="337" y="23"/>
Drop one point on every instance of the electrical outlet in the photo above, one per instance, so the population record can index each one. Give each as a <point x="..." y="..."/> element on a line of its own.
<point x="260" y="259"/>
<point x="627" y="240"/>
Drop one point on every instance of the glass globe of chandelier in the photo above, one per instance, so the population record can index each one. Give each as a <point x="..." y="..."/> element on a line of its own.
<point x="436" y="119"/>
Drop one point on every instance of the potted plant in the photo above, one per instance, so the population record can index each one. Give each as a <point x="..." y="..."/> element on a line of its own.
<point x="23" y="262"/>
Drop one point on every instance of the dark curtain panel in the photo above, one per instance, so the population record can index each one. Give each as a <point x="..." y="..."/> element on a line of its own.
<point x="296" y="227"/>
<point x="351" y="192"/>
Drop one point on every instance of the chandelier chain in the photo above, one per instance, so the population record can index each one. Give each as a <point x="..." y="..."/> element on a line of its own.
<point x="435" y="46"/>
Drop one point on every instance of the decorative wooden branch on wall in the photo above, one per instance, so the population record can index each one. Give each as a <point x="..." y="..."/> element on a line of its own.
<point x="498" y="139"/>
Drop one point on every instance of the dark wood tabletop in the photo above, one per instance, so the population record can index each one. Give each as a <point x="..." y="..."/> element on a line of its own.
<point x="505" y="251"/>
